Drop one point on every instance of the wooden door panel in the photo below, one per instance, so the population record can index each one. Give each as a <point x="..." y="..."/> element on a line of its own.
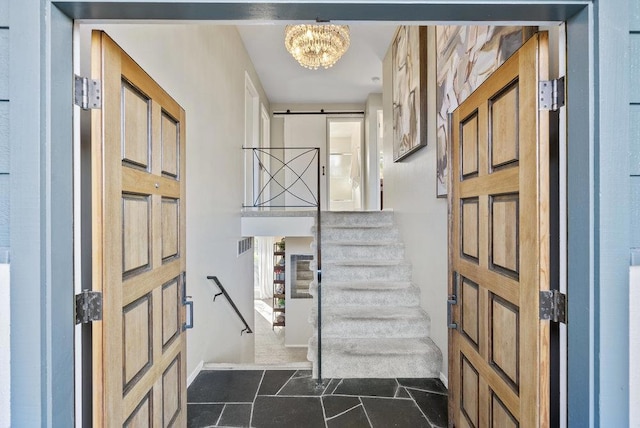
<point x="137" y="332"/>
<point x="171" y="304"/>
<point x="170" y="146"/>
<point x="139" y="246"/>
<point x="499" y="203"/>
<point x="504" y="235"/>
<point x="500" y="415"/>
<point x="470" y="393"/>
<point x="470" y="222"/>
<point x="136" y="143"/>
<point x="171" y="393"/>
<point x="503" y="134"/>
<point x="470" y="311"/>
<point x="170" y="228"/>
<point x="136" y="226"/>
<point x="505" y="348"/>
<point x="469" y="146"/>
<point x="141" y="417"/>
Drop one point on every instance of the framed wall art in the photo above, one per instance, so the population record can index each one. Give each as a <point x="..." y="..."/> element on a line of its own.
<point x="409" y="90"/>
<point x="466" y="56"/>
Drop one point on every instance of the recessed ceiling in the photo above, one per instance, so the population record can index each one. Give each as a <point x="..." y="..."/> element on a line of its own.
<point x="351" y="80"/>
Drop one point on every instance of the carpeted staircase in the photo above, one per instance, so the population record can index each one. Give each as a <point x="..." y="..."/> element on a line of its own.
<point x="372" y="323"/>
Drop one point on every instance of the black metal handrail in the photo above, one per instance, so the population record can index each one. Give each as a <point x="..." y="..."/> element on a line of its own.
<point x="233" y="305"/>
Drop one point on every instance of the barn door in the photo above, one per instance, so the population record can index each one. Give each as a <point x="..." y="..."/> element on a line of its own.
<point x="499" y="348"/>
<point x="138" y="170"/>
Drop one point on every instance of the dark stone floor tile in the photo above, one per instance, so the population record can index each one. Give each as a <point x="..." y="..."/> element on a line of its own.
<point x="354" y="418"/>
<point x="433" y="405"/>
<point x="203" y="415"/>
<point x="402" y="393"/>
<point x="236" y="415"/>
<point x="274" y="380"/>
<point x="303" y="373"/>
<point x="387" y="413"/>
<point x="289" y="412"/>
<point x="425" y="384"/>
<point x="223" y="386"/>
<point x="335" y="404"/>
<point x="332" y="386"/>
<point x="367" y="387"/>
<point x="304" y="386"/>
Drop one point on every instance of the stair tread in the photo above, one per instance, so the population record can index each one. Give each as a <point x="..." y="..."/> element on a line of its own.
<point x="366" y="286"/>
<point x="371" y="243"/>
<point x="369" y="346"/>
<point x="366" y="262"/>
<point x="376" y="312"/>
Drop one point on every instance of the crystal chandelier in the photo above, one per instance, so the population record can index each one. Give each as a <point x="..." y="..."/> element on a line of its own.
<point x="315" y="46"/>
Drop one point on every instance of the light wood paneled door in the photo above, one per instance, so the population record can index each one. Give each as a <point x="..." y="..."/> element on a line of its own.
<point x="138" y="170"/>
<point x="499" y="350"/>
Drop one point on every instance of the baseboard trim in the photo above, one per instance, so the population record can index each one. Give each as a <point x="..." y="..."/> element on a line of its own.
<point x="296" y="346"/>
<point x="195" y="372"/>
<point x="303" y="365"/>
<point x="444" y="380"/>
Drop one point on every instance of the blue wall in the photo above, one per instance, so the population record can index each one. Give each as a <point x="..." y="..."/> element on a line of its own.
<point x="4" y="129"/>
<point x="634" y="122"/>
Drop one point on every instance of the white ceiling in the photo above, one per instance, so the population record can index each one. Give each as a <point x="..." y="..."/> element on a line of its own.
<point x="350" y="80"/>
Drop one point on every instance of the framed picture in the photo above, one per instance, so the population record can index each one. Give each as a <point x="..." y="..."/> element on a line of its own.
<point x="409" y="90"/>
<point x="465" y="57"/>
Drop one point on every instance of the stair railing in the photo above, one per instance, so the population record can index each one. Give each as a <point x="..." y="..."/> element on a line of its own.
<point x="319" y="277"/>
<point x="230" y="300"/>
<point x="282" y="177"/>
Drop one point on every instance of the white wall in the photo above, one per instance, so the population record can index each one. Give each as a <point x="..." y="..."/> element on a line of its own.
<point x="370" y="167"/>
<point x="410" y="190"/>
<point x="298" y="330"/>
<point x="5" y="368"/>
<point x="634" y="345"/>
<point x="203" y="68"/>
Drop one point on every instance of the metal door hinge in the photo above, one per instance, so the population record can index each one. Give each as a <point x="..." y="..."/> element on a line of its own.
<point x="551" y="94"/>
<point x="88" y="93"/>
<point x="553" y="306"/>
<point x="88" y="306"/>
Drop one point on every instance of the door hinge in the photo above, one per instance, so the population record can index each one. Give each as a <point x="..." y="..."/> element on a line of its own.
<point x="551" y="94"/>
<point x="553" y="306"/>
<point x="87" y="93"/>
<point x="88" y="306"/>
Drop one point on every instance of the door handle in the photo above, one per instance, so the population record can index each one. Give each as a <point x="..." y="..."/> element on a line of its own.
<point x="189" y="305"/>
<point x="452" y="300"/>
<point x="186" y="302"/>
<point x="323" y="170"/>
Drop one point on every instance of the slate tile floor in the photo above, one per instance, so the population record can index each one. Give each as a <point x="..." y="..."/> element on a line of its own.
<point x="291" y="398"/>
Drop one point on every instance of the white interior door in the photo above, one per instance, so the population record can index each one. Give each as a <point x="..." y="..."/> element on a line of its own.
<point x="345" y="173"/>
<point x="304" y="131"/>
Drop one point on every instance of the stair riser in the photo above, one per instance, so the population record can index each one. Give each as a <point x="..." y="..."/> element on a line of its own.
<point x="354" y="273"/>
<point x="375" y="366"/>
<point x="357" y="219"/>
<point x="341" y="297"/>
<point x="371" y="328"/>
<point x="358" y="234"/>
<point x="362" y="252"/>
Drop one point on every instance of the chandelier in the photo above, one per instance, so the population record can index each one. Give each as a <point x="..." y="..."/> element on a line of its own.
<point x="315" y="46"/>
